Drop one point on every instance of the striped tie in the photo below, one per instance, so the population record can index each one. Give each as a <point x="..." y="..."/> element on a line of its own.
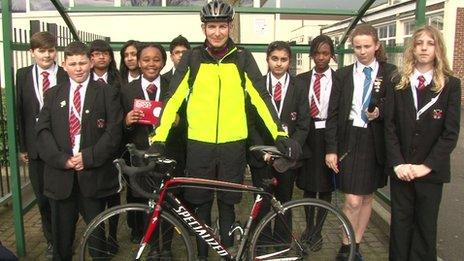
<point x="151" y="90"/>
<point x="101" y="81"/>
<point x="421" y="85"/>
<point x="45" y="81"/>
<point x="366" y="95"/>
<point x="317" y="94"/>
<point x="74" y="123"/>
<point x="278" y="94"/>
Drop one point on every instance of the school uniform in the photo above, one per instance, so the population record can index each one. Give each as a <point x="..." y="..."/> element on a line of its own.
<point x="63" y="131"/>
<point x="358" y="142"/>
<point x="293" y="112"/>
<point x="168" y="75"/>
<point x="421" y="127"/>
<point x="29" y="101"/>
<point x="314" y="175"/>
<point x="106" y="78"/>
<point x="138" y="134"/>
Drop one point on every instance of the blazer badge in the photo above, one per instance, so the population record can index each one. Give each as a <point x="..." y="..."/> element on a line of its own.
<point x="437" y="114"/>
<point x="377" y="83"/>
<point x="293" y="115"/>
<point x="101" y="123"/>
<point x="63" y="103"/>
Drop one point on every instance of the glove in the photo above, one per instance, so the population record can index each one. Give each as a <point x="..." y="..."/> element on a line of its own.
<point x="289" y="147"/>
<point x="156" y="150"/>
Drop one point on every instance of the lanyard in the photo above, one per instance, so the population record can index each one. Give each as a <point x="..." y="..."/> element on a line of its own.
<point x="426" y="106"/>
<point x="35" y="77"/>
<point x="269" y="87"/>
<point x="312" y="95"/>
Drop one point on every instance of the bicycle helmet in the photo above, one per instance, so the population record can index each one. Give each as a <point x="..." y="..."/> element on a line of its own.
<point x="217" y="10"/>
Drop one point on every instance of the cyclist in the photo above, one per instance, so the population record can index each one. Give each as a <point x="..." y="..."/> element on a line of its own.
<point x="218" y="81"/>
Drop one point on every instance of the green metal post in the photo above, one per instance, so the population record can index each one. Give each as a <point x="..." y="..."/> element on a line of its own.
<point x="420" y="13"/>
<point x="341" y="57"/>
<point x="11" y="128"/>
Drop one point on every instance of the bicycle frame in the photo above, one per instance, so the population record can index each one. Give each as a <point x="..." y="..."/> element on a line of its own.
<point x="192" y="222"/>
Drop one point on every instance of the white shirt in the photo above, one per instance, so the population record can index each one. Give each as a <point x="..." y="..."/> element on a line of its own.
<point x="415" y="82"/>
<point x="156" y="82"/>
<point x="324" y="97"/>
<point x="82" y="91"/>
<point x="358" y="81"/>
<point x="284" y="81"/>
<point x="104" y="77"/>
<point x="130" y="78"/>
<point x="38" y="80"/>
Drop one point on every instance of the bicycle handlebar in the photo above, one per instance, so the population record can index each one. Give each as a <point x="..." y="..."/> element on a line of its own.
<point x="272" y="150"/>
<point x="142" y="171"/>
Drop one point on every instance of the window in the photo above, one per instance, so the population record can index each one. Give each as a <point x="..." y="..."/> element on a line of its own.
<point x="436" y="20"/>
<point x="299" y="59"/>
<point x="387" y="34"/>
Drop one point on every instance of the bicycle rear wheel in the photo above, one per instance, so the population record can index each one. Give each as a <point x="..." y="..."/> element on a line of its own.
<point x="310" y="229"/>
<point x="170" y="241"/>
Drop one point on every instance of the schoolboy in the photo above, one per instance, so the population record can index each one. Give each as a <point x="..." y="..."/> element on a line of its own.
<point x="79" y="132"/>
<point x="31" y="83"/>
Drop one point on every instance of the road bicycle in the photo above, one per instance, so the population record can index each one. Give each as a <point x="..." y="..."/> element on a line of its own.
<point x="171" y="227"/>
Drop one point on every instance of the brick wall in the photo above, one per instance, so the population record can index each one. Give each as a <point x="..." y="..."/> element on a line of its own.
<point x="458" y="57"/>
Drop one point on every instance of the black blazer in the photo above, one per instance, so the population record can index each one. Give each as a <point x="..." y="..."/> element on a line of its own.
<point x="295" y="115"/>
<point x="138" y="133"/>
<point x="28" y="108"/>
<point x="341" y="99"/>
<point x="168" y="75"/>
<point x="305" y="78"/>
<point x="101" y="131"/>
<point x="429" y="140"/>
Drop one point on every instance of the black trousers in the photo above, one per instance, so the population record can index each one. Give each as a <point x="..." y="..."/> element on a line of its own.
<point x="36" y="175"/>
<point x="65" y="214"/>
<point x="414" y="215"/>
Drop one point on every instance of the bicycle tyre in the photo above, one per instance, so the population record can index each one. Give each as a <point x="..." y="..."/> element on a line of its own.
<point x="265" y="244"/>
<point x="181" y="242"/>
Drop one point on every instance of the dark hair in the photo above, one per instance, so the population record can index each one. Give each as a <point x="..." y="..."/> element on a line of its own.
<point x="278" y="45"/>
<point x="43" y="40"/>
<point x="123" y="70"/>
<point x="319" y="41"/>
<point x="179" y="41"/>
<point x="154" y="45"/>
<point x="76" y="48"/>
<point x="367" y="29"/>
<point x="103" y="46"/>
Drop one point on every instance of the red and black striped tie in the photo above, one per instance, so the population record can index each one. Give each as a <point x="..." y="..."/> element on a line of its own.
<point x="45" y="81"/>
<point x="74" y="123"/>
<point x="317" y="95"/>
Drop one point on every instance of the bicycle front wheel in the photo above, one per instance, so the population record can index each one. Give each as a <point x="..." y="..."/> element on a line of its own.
<point x="309" y="229"/>
<point x="170" y="241"/>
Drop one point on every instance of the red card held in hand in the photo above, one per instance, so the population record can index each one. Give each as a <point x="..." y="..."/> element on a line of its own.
<point x="151" y="111"/>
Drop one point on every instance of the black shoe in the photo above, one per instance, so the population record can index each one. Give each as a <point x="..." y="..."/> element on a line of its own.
<point x="358" y="256"/>
<point x="343" y="253"/>
<point x="166" y="255"/>
<point x="112" y="245"/>
<point x="49" y="251"/>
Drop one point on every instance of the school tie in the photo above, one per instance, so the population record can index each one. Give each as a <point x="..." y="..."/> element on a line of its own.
<point x="366" y="95"/>
<point x="45" y="81"/>
<point x="317" y="94"/>
<point x="278" y="94"/>
<point x="101" y="81"/>
<point x="74" y="123"/>
<point x="420" y="90"/>
<point x="151" y="89"/>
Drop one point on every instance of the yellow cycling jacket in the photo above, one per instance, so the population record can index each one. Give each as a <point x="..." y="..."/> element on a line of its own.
<point x="216" y="97"/>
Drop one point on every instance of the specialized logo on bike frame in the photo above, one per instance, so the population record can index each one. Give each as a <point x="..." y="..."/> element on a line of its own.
<point x="200" y="230"/>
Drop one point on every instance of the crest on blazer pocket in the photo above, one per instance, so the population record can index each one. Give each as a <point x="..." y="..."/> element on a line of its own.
<point x="293" y="116"/>
<point x="101" y="123"/>
<point x="437" y="114"/>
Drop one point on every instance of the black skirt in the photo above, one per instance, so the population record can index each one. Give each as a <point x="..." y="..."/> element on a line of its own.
<point x="314" y="175"/>
<point x="360" y="172"/>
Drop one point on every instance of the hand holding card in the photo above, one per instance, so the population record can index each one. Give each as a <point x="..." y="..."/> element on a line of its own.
<point x="151" y="111"/>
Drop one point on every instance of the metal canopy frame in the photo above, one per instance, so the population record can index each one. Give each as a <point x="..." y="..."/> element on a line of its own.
<point x="64" y="13"/>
